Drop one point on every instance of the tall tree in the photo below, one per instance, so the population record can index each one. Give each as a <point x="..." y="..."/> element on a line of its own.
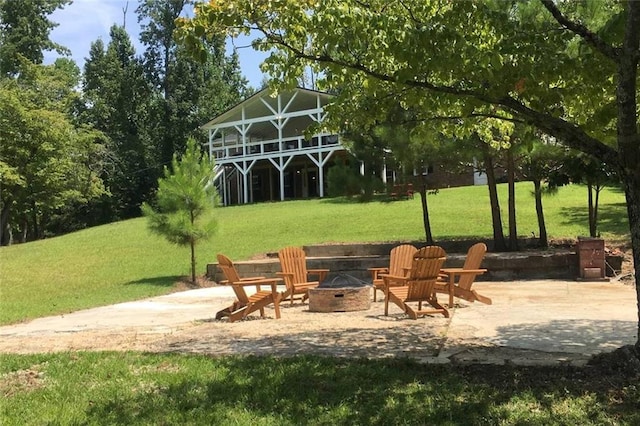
<point x="482" y="58"/>
<point x="184" y="202"/>
<point x="117" y="101"/>
<point x="540" y="161"/>
<point x="578" y="167"/>
<point x="188" y="92"/>
<point x="46" y="161"/>
<point x="24" y="31"/>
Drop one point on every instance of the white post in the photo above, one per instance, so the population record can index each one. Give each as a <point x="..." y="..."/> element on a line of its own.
<point x="384" y="172"/>
<point x="321" y="176"/>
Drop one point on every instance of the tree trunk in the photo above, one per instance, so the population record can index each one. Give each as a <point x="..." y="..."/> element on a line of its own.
<point x="6" y="234"/>
<point x="193" y="261"/>
<point x="592" y="225"/>
<point x="511" y="182"/>
<point x="36" y="222"/>
<point x="192" y="243"/>
<point x="632" y="193"/>
<point x="24" y="231"/>
<point x="499" y="243"/>
<point x="628" y="138"/>
<point x="543" y="241"/>
<point x="595" y="209"/>
<point x="425" y="211"/>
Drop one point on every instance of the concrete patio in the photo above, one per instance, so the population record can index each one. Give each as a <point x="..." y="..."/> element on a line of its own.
<point x="529" y="322"/>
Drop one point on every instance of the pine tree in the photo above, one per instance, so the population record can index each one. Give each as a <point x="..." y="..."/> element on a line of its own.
<point x="184" y="202"/>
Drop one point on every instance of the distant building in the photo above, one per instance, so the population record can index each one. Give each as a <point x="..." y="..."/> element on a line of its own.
<point x="262" y="154"/>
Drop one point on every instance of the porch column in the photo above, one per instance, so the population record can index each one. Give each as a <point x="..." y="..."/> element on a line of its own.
<point x="281" y="165"/>
<point x="320" y="162"/>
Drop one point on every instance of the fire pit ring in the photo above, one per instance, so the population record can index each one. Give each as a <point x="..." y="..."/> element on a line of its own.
<point x="342" y="293"/>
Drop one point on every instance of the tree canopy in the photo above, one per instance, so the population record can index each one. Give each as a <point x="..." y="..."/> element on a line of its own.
<point x="24" y="32"/>
<point x="567" y="68"/>
<point x="184" y="202"/>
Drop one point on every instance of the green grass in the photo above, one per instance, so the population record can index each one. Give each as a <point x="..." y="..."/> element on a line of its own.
<point x="132" y="388"/>
<point x="124" y="261"/>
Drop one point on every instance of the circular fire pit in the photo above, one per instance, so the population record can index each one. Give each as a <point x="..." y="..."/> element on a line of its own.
<point x="343" y="293"/>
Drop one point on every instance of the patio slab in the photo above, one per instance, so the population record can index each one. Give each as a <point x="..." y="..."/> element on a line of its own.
<point x="529" y="322"/>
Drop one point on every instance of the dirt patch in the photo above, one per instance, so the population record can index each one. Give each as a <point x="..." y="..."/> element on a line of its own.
<point x="185" y="283"/>
<point x="21" y="381"/>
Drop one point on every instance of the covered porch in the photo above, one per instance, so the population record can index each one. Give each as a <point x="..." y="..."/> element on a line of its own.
<point x="263" y="151"/>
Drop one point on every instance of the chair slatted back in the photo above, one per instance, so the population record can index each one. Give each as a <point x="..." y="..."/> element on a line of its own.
<point x="293" y="260"/>
<point x="424" y="272"/>
<point x="231" y="274"/>
<point x="400" y="259"/>
<point x="474" y="259"/>
<point x="431" y="252"/>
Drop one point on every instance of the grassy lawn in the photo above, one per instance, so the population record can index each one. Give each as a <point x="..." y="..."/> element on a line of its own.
<point x="130" y="388"/>
<point x="123" y="261"/>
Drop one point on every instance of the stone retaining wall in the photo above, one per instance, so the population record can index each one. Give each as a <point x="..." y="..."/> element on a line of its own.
<point x="552" y="264"/>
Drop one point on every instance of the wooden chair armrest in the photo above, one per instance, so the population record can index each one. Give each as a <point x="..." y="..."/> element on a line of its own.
<point x="401" y="277"/>
<point x="375" y="272"/>
<point x="388" y="277"/>
<point x="460" y="271"/>
<point x="258" y="281"/>
<point x="252" y="278"/>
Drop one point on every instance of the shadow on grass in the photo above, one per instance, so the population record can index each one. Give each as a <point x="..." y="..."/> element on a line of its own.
<point x="167" y="281"/>
<point x="316" y="390"/>
<point x="376" y="198"/>
<point x="612" y="218"/>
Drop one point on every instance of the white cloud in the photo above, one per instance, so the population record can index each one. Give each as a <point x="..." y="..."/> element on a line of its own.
<point x="84" y="21"/>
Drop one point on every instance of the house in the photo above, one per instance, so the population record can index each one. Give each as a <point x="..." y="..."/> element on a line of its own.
<point x="262" y="150"/>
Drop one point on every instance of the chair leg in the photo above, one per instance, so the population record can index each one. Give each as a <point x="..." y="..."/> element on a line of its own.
<point x="481" y="298"/>
<point x="223" y="313"/>
<point x="439" y="309"/>
<point x="412" y="314"/>
<point x="452" y="290"/>
<point x="242" y="313"/>
<point x="276" y="306"/>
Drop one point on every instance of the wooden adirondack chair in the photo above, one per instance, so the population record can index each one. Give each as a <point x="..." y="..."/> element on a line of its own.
<point x="246" y="304"/>
<point x="419" y="285"/>
<point x="465" y="277"/>
<point x="293" y="262"/>
<point x="400" y="259"/>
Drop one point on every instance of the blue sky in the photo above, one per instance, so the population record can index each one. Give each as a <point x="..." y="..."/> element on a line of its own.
<point x="84" y="21"/>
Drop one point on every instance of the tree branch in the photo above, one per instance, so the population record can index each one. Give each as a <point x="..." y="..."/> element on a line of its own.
<point x="581" y="30"/>
<point x="571" y="134"/>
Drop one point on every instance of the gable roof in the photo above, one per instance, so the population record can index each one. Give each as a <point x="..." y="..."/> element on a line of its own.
<point x="254" y="106"/>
